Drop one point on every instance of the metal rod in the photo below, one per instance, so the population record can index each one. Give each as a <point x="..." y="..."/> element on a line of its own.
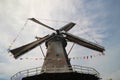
<point x="42" y="51"/>
<point x="71" y="48"/>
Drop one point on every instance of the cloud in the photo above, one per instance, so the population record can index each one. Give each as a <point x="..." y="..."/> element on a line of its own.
<point x="14" y="14"/>
<point x="114" y="76"/>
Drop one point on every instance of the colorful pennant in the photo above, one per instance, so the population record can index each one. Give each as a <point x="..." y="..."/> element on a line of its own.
<point x="62" y="59"/>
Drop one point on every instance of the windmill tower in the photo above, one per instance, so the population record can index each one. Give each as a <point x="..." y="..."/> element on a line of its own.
<point x="56" y="57"/>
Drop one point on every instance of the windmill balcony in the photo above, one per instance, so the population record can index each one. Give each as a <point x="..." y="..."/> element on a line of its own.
<point x="37" y="71"/>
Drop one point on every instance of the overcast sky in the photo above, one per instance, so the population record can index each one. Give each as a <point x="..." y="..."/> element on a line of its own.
<point x="96" y="20"/>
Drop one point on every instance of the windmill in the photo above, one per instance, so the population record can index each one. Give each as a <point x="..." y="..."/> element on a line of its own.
<point x="56" y="42"/>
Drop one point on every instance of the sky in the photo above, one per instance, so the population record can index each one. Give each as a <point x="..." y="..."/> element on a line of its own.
<point x="96" y="20"/>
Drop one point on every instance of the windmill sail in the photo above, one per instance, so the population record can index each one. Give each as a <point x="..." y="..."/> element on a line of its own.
<point x="36" y="21"/>
<point x="67" y="27"/>
<point x="23" y="49"/>
<point x="84" y="42"/>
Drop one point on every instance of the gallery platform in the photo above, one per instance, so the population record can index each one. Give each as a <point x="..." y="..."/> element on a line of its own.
<point x="76" y="73"/>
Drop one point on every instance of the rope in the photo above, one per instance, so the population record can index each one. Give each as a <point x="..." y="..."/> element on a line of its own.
<point x="14" y="40"/>
<point x="89" y="35"/>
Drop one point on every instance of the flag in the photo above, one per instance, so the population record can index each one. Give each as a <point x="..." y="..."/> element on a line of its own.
<point x="87" y="57"/>
<point x="21" y="58"/>
<point x="90" y="56"/>
<point x="83" y="57"/>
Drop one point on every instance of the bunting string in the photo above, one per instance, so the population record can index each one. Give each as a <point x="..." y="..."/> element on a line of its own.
<point x="14" y="40"/>
<point x="71" y="58"/>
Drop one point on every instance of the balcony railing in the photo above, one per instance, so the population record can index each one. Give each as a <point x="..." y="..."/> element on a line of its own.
<point x="37" y="71"/>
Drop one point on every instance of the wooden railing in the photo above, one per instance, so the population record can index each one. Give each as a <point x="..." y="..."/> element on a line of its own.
<point x="37" y="71"/>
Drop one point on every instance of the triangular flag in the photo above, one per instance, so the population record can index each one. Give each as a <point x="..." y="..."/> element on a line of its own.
<point x="90" y="56"/>
<point x="87" y="57"/>
<point x="99" y="54"/>
<point x="26" y="58"/>
<point x="21" y="58"/>
<point x="103" y="53"/>
<point x="84" y="57"/>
